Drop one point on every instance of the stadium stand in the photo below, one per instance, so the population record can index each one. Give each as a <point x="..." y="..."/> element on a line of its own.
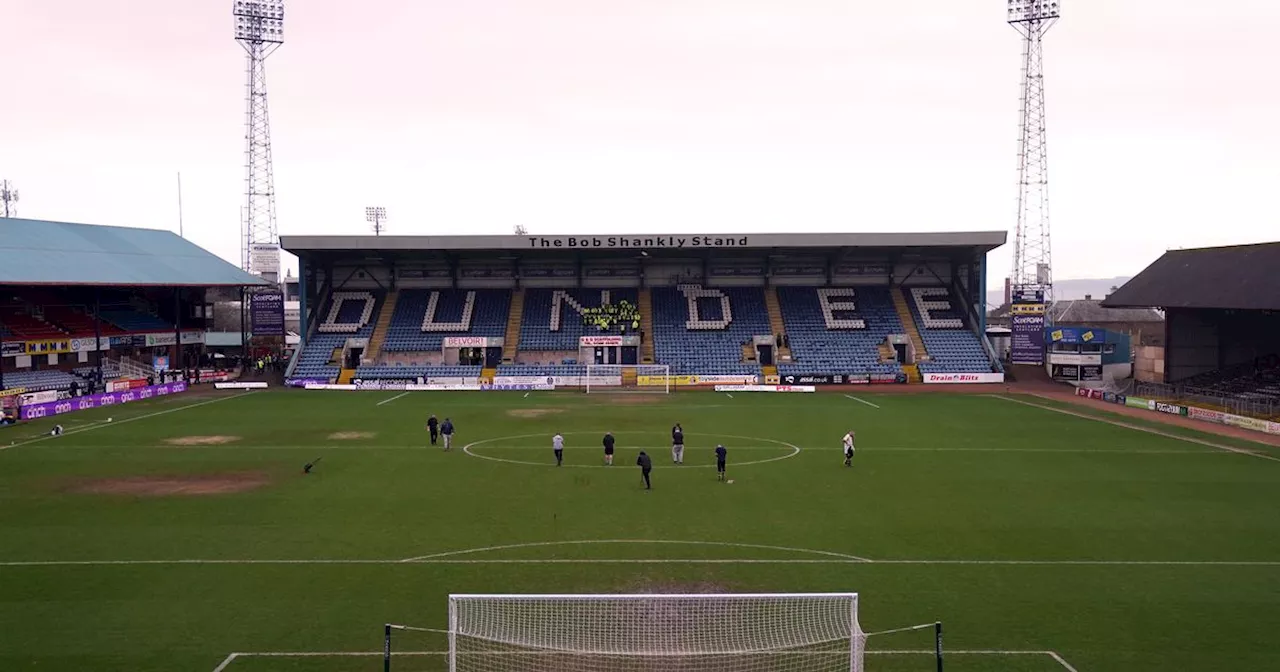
<point x="78" y="321"/>
<point x="702" y="331"/>
<point x="424" y="318"/>
<point x="552" y="320"/>
<point x="20" y="324"/>
<point x="837" y="330"/>
<point x="1258" y="380"/>
<point x="347" y="315"/>
<point x="952" y="346"/>
<point x="39" y="381"/>
<point x="129" y="320"/>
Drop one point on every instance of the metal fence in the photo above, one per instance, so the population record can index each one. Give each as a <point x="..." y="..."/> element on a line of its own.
<point x="1238" y="404"/>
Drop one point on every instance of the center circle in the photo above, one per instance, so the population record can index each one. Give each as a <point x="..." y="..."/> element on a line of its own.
<point x="468" y="449"/>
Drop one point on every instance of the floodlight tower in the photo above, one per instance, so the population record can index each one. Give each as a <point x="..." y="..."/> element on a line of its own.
<point x="377" y="216"/>
<point x="8" y="199"/>
<point x="260" y="30"/>
<point x="1032" y="252"/>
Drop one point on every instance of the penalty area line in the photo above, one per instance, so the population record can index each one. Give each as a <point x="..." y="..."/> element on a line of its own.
<point x="387" y="401"/>
<point x="860" y="400"/>
<point x="1140" y="428"/>
<point x="90" y="428"/>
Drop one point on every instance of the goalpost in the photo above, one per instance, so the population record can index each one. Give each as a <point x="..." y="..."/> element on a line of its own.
<point x="795" y="632"/>
<point x="639" y="378"/>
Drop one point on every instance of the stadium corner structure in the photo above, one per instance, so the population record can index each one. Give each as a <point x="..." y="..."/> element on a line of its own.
<point x="752" y="310"/>
<point x="93" y="316"/>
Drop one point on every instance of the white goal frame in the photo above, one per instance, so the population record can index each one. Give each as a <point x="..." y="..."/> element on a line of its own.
<point x="614" y="378"/>
<point x="713" y="632"/>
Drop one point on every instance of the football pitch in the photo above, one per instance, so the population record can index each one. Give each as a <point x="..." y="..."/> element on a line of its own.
<point x="183" y="535"/>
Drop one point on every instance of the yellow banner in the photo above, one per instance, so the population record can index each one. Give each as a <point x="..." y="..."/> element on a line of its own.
<point x="773" y="380"/>
<point x="1026" y="309"/>
<point x="48" y="347"/>
<point x="13" y="392"/>
<point x="661" y="381"/>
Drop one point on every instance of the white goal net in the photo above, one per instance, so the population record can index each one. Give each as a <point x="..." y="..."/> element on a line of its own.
<point x="815" y="632"/>
<point x="648" y="378"/>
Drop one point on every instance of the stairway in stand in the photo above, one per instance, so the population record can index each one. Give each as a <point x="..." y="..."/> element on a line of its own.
<point x="346" y="376"/>
<point x="886" y="352"/>
<point x="646" y="326"/>
<point x="629" y="376"/>
<point x="775" y="322"/>
<point x="766" y="371"/>
<point x="913" y="373"/>
<point x="487" y="374"/>
<point x="909" y="323"/>
<point x="380" y="329"/>
<point x="511" y="340"/>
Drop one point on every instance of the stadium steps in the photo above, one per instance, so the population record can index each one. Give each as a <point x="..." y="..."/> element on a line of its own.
<point x="909" y="323"/>
<point x="913" y="373"/>
<point x="768" y="370"/>
<point x="629" y="376"/>
<point x="346" y="376"/>
<point x="886" y="352"/>
<point x="776" y="325"/>
<point x="511" y="340"/>
<point x="380" y="329"/>
<point x="487" y="374"/>
<point x="646" y="326"/>
<point x="748" y="352"/>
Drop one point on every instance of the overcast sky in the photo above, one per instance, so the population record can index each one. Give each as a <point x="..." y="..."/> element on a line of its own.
<point x="621" y="116"/>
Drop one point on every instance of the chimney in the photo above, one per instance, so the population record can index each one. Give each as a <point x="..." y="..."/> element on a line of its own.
<point x="1008" y="291"/>
<point x="1088" y="297"/>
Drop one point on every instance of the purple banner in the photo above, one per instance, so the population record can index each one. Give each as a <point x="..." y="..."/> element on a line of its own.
<point x="1026" y="344"/>
<point x="303" y="382"/>
<point x="266" y="313"/>
<point x="34" y="411"/>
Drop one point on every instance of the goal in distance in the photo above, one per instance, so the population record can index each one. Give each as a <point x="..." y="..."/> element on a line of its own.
<point x="633" y="378"/>
<point x="796" y="632"/>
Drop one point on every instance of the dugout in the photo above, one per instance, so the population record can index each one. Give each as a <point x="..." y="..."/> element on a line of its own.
<point x="1221" y="305"/>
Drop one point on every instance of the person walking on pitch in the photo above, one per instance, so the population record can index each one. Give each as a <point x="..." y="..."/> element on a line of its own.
<point x="608" y="449"/>
<point x="446" y="430"/>
<point x="433" y="426"/>
<point x="848" y="449"/>
<point x="721" y="453"/>
<point x="677" y="444"/>
<point x="557" y="444"/>
<point x="646" y="466"/>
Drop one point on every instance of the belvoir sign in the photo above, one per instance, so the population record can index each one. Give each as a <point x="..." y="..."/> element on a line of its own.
<point x="636" y="242"/>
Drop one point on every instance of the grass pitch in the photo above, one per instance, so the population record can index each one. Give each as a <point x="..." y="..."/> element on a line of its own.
<point x="185" y="531"/>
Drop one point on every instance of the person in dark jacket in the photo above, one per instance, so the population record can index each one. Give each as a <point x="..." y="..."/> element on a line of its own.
<point x="446" y="430"/>
<point x="433" y="426"/>
<point x="608" y="449"/>
<point x="646" y="466"/>
<point x="677" y="444"/>
<point x="721" y="455"/>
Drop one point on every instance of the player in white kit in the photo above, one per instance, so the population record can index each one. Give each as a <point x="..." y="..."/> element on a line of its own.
<point x="557" y="444"/>
<point x="848" y="449"/>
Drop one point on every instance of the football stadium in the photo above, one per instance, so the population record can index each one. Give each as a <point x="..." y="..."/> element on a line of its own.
<point x="179" y="495"/>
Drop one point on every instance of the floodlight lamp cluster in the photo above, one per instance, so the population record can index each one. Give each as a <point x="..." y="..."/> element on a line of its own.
<point x="259" y="20"/>
<point x="1022" y="11"/>
<point x="375" y="214"/>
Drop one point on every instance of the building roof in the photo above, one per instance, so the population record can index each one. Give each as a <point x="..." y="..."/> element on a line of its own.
<point x="34" y="252"/>
<point x="1240" y="277"/>
<point x="1088" y="312"/>
<point x="650" y="243"/>
<point x="1091" y="311"/>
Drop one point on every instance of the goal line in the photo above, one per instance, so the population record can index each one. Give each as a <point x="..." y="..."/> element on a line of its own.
<point x="228" y="664"/>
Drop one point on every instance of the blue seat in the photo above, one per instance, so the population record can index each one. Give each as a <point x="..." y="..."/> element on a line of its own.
<point x="845" y="342"/>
